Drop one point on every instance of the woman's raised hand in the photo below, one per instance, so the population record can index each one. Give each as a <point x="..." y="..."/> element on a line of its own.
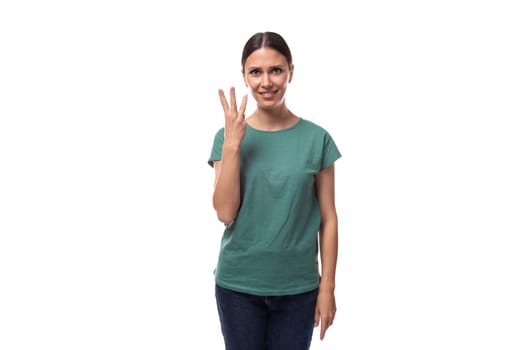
<point x="234" y="123"/>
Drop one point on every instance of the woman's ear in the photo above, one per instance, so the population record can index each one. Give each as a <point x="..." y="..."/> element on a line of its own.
<point x="291" y="73"/>
<point x="244" y="78"/>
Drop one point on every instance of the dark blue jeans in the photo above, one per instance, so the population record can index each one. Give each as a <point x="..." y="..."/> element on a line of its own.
<point x="251" y="322"/>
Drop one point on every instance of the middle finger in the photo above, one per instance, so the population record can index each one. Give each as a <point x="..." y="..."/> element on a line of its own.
<point x="233" y="101"/>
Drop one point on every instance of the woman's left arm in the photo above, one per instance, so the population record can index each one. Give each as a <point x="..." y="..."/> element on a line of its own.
<point x="328" y="239"/>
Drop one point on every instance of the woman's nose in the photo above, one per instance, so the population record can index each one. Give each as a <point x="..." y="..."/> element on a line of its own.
<point x="266" y="80"/>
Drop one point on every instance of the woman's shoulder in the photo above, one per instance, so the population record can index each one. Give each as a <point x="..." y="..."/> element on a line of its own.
<point x="219" y="133"/>
<point x="313" y="126"/>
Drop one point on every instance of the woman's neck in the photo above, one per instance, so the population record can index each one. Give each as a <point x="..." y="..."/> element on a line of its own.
<point x="272" y="120"/>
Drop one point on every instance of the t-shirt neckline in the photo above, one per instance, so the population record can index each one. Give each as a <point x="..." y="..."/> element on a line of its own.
<point x="276" y="131"/>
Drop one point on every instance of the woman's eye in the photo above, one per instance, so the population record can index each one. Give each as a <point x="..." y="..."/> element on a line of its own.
<point x="277" y="70"/>
<point x="254" y="72"/>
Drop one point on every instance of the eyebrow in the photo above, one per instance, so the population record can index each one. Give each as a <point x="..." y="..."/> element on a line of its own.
<point x="271" y="67"/>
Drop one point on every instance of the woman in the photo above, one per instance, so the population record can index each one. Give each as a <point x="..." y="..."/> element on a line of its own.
<point x="274" y="191"/>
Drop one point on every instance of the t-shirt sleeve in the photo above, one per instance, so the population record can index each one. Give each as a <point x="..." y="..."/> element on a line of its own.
<point x="330" y="151"/>
<point x="216" y="150"/>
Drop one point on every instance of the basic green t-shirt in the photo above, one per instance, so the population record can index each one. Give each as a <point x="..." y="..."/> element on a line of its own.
<point x="272" y="246"/>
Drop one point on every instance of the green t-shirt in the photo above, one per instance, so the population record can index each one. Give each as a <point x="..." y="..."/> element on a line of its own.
<point x="272" y="246"/>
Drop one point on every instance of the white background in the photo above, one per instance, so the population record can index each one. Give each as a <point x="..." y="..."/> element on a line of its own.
<point x="108" y="110"/>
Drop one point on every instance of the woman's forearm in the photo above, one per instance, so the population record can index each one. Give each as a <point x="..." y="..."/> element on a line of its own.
<point x="226" y="195"/>
<point x="329" y="247"/>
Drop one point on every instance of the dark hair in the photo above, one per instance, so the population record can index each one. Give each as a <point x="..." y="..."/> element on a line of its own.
<point x="266" y="39"/>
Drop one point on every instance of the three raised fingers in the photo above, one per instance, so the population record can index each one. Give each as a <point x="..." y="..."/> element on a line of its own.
<point x="230" y="109"/>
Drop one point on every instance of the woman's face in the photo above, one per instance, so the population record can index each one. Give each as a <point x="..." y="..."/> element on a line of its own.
<point x="267" y="74"/>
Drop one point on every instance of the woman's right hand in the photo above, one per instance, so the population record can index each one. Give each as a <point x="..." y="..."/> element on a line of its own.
<point x="234" y="123"/>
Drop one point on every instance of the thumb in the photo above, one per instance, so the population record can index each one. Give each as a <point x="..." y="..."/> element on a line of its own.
<point x="317" y="317"/>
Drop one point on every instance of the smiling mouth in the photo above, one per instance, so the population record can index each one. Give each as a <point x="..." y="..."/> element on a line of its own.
<point x="268" y="94"/>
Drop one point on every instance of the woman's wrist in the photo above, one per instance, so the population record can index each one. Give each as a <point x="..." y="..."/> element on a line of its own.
<point x="327" y="285"/>
<point x="231" y="146"/>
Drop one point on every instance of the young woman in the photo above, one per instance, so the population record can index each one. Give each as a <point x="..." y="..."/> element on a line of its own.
<point x="274" y="191"/>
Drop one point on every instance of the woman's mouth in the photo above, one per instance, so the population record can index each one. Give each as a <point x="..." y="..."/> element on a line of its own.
<point x="268" y="95"/>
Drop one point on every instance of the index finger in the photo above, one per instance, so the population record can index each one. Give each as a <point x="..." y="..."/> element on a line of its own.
<point x="243" y="106"/>
<point x="324" y="327"/>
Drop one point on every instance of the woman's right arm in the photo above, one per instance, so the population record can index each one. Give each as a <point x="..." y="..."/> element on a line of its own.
<point x="227" y="193"/>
